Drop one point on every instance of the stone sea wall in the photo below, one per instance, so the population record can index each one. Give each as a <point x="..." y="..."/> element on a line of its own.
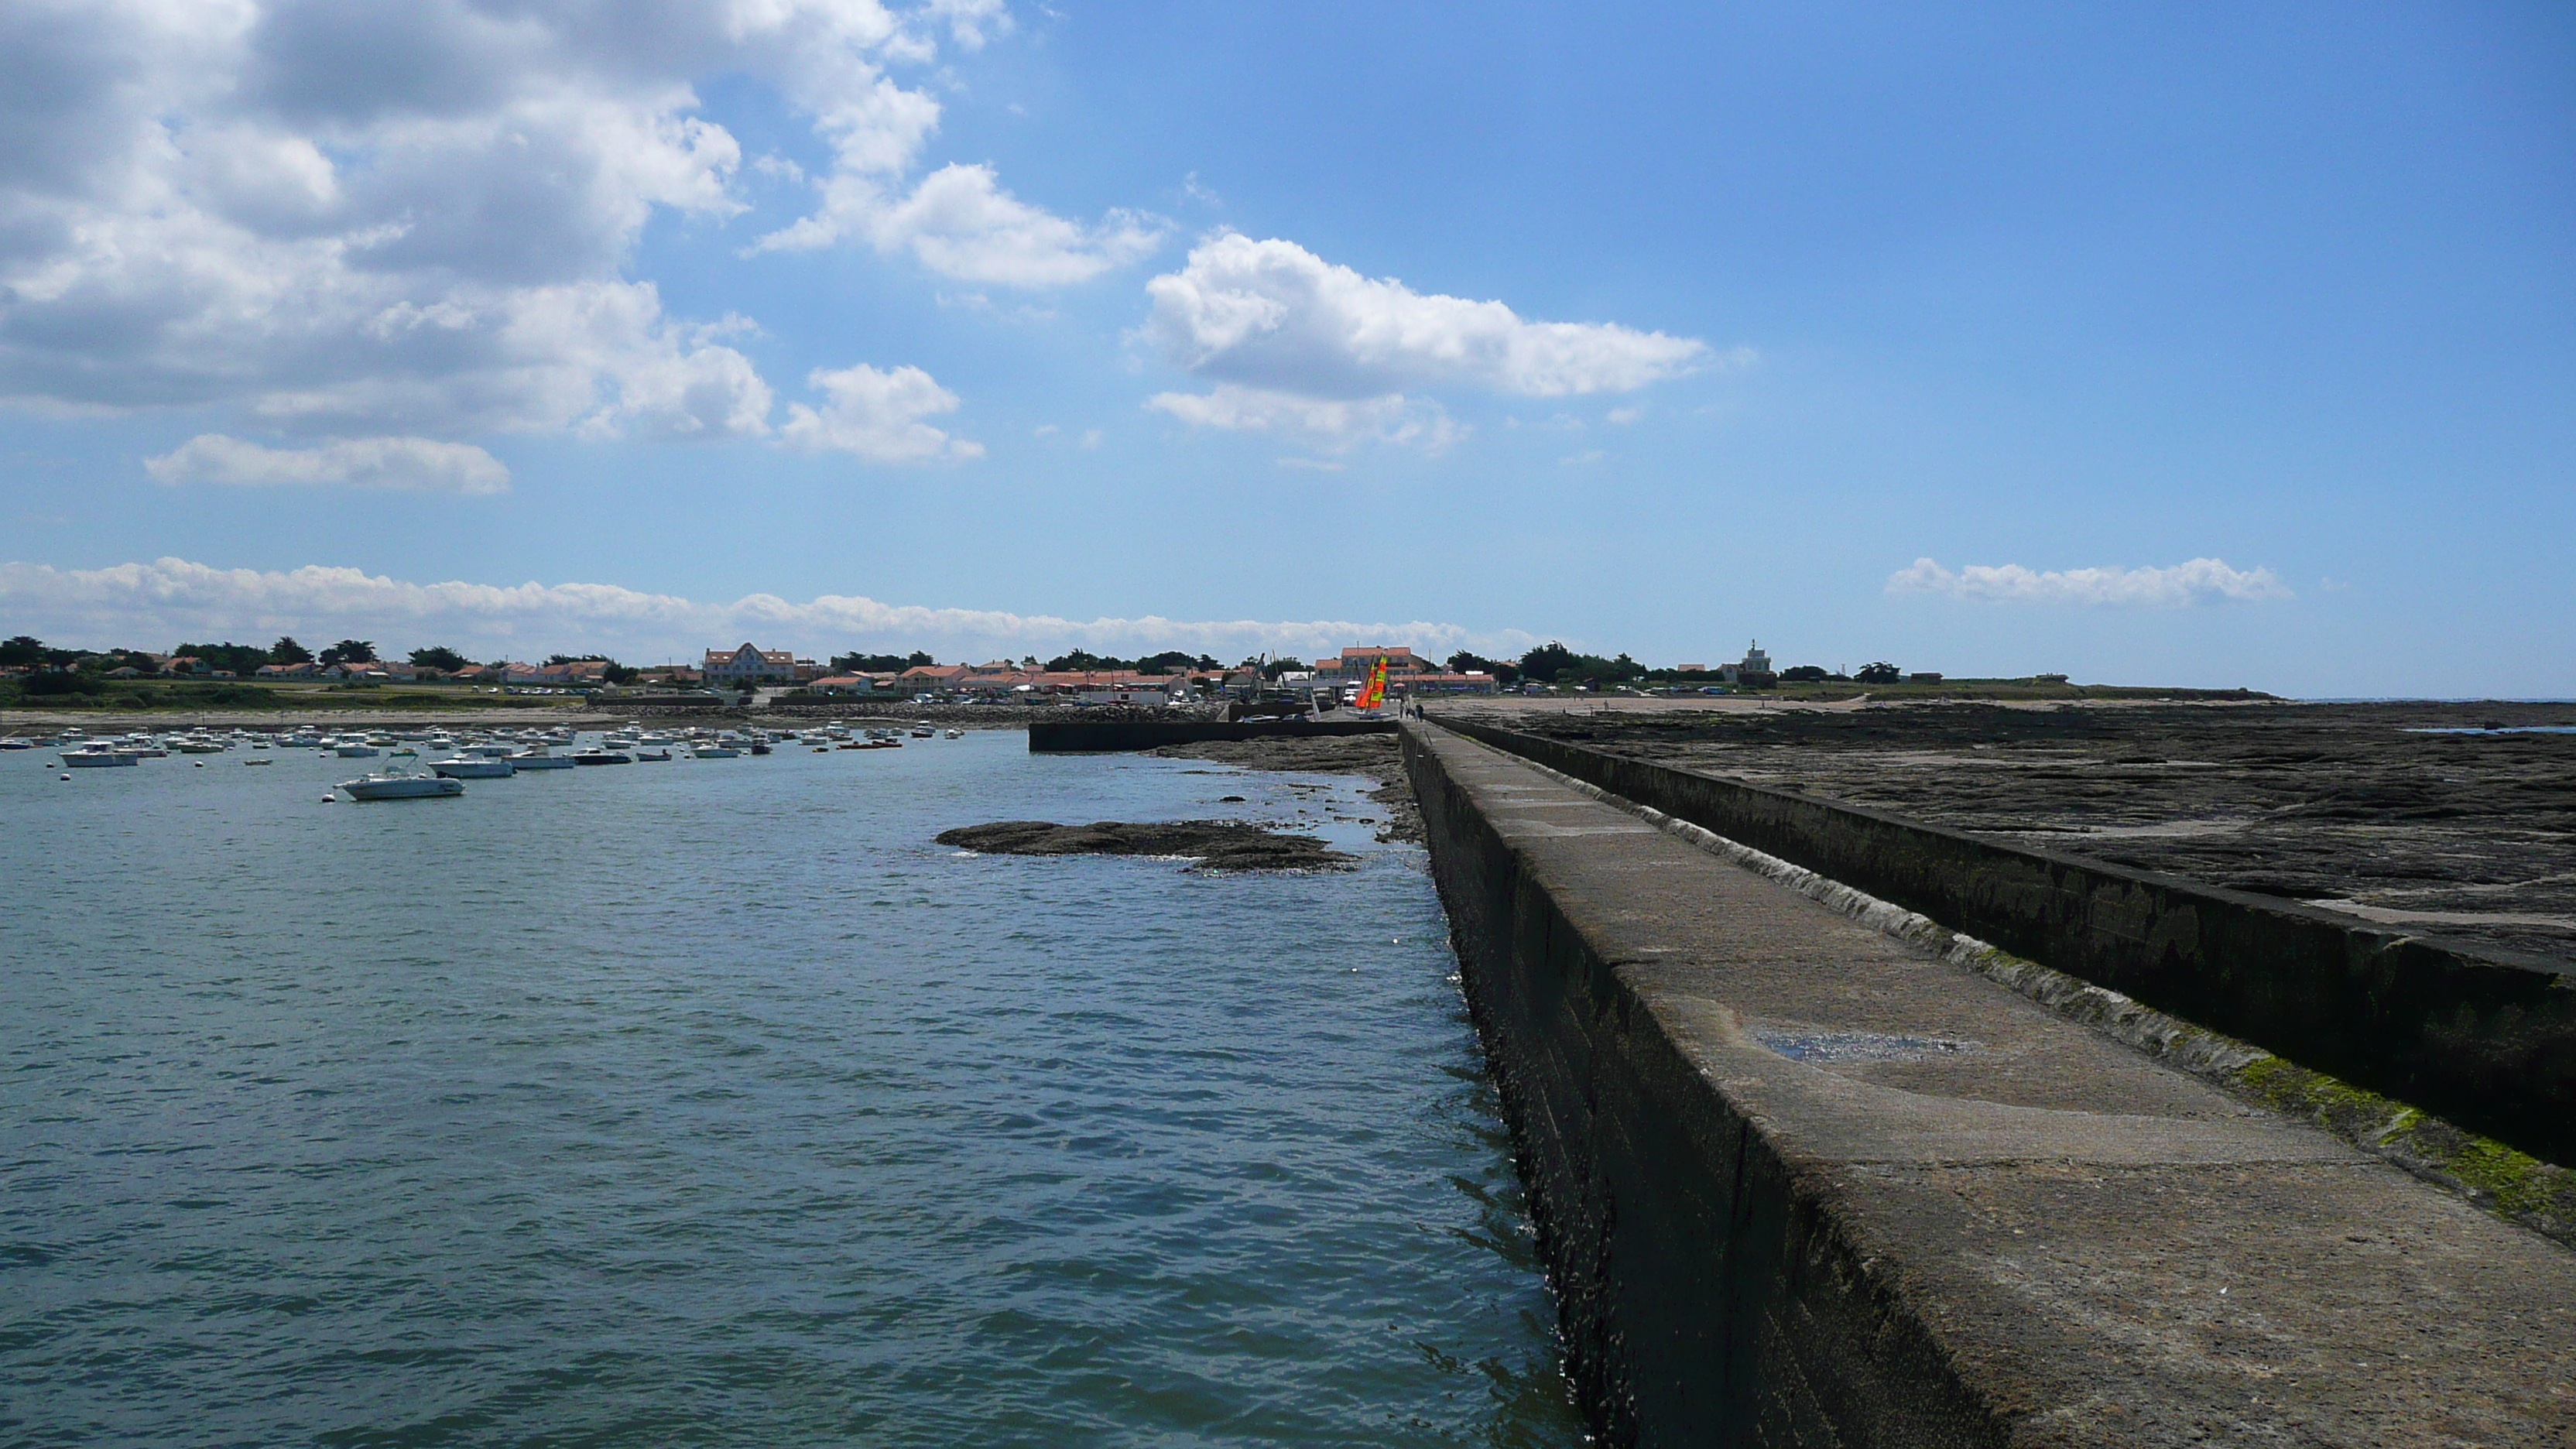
<point x="1802" y="1179"/>
<point x="2483" y="1039"/>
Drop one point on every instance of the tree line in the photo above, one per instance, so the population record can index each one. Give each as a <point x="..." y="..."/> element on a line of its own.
<point x="26" y="651"/>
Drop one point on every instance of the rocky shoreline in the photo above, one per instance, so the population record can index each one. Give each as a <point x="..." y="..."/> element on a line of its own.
<point x="1214" y="845"/>
<point x="1376" y="757"/>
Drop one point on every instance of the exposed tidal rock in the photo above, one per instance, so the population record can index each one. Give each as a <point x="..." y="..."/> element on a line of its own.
<point x="2456" y="820"/>
<point x="1218" y="845"/>
<point x="1375" y="756"/>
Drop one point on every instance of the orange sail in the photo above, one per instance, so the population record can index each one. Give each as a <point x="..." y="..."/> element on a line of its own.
<point x="1373" y="693"/>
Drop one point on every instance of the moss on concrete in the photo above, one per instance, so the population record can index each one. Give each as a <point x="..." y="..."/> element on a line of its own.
<point x="2509" y="1183"/>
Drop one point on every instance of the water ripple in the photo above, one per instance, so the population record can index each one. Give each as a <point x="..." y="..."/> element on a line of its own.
<point x="711" y="1103"/>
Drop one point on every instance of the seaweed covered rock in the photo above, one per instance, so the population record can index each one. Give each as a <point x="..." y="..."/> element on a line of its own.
<point x="1217" y="845"/>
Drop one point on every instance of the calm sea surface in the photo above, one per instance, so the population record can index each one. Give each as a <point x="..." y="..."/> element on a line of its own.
<point x="711" y="1103"/>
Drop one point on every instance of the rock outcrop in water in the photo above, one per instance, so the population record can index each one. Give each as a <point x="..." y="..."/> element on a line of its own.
<point x="1374" y="756"/>
<point x="1219" y="845"/>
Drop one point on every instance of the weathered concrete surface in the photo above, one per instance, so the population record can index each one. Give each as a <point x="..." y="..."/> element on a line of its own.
<point x="1067" y="737"/>
<point x="2411" y="813"/>
<point x="1800" y="1184"/>
<point x="2485" y="1040"/>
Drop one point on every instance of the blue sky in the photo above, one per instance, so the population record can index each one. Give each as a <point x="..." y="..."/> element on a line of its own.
<point x="2217" y="346"/>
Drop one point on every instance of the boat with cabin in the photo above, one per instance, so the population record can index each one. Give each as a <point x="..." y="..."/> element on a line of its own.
<point x="401" y="787"/>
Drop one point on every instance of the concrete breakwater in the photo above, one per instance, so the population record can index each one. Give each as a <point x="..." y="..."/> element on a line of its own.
<point x="1801" y="1182"/>
<point x="2485" y="1039"/>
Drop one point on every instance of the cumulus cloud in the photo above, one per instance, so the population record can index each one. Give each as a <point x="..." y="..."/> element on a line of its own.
<point x="2201" y="580"/>
<point x="1276" y="321"/>
<point x="1273" y="314"/>
<point x="350" y="220"/>
<point x="1331" y="424"/>
<point x="417" y="464"/>
<point x="877" y="415"/>
<point x="171" y="598"/>
<point x="959" y="222"/>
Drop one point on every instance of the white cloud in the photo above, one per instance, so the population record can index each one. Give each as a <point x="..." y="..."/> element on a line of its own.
<point x="969" y="20"/>
<point x="1273" y="314"/>
<point x="415" y="219"/>
<point x="1331" y="424"/>
<point x="418" y="464"/>
<point x="960" y="223"/>
<point x="169" y="599"/>
<point x="2200" y="580"/>
<point x="877" y="415"/>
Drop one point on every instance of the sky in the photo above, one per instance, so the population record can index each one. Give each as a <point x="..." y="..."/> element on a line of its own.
<point x="2180" y="345"/>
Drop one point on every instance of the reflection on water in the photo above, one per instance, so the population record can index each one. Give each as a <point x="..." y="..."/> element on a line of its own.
<point x="711" y="1103"/>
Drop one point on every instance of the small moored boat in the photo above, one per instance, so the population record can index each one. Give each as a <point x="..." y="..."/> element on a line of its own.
<point x="96" y="758"/>
<point x="401" y="787"/>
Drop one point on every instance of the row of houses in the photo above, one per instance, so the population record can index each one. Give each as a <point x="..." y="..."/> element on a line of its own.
<point x="1407" y="672"/>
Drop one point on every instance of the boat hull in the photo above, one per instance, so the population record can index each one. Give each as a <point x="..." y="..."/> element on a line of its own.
<point x="404" y="787"/>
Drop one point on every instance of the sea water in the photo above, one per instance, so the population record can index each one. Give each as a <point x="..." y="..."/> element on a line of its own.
<point x="711" y="1102"/>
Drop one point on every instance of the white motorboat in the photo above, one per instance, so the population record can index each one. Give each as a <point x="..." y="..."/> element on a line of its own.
<point x="602" y="757"/>
<point x="714" y="752"/>
<point x="95" y="758"/>
<point x="354" y="750"/>
<point x="957" y="734"/>
<point x="472" y="768"/>
<point x="202" y="747"/>
<point x="401" y="787"/>
<point x="539" y="760"/>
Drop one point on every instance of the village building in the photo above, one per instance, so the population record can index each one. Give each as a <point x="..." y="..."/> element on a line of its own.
<point x="932" y="678"/>
<point x="750" y="664"/>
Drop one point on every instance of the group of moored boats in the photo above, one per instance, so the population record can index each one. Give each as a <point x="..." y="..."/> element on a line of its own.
<point x="472" y="755"/>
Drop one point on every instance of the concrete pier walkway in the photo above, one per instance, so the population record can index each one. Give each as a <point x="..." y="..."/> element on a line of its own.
<point x="1802" y="1183"/>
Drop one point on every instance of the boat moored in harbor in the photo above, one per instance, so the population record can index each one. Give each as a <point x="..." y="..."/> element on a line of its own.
<point x="97" y="757"/>
<point x="401" y="787"/>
